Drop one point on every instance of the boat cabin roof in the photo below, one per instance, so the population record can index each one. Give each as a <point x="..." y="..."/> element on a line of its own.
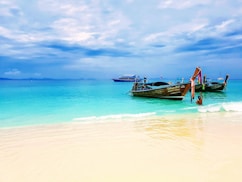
<point x="157" y="83"/>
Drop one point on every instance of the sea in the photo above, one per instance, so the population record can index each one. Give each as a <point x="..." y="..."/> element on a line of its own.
<point x="37" y="102"/>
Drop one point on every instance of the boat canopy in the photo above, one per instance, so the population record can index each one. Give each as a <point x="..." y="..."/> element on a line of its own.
<point x="157" y="83"/>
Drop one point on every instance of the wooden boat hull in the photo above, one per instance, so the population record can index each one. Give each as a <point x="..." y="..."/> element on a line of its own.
<point x="174" y="92"/>
<point x="163" y="90"/>
<point x="214" y="87"/>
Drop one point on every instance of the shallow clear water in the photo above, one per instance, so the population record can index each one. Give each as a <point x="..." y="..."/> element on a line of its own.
<point x="98" y="125"/>
<point x="27" y="102"/>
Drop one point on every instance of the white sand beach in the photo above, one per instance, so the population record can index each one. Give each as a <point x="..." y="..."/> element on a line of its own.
<point x="200" y="147"/>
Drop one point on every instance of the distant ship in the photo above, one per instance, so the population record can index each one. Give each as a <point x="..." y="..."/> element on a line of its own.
<point x="127" y="78"/>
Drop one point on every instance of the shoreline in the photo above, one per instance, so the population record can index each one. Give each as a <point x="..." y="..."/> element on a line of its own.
<point x="219" y="108"/>
<point x="194" y="147"/>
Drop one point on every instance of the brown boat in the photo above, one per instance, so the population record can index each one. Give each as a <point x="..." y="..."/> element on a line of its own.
<point x="209" y="86"/>
<point x="163" y="90"/>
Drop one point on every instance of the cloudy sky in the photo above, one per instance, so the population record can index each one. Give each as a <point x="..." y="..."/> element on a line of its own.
<point x="108" y="38"/>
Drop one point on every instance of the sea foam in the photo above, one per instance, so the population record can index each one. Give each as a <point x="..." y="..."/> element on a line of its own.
<point x="222" y="107"/>
<point x="113" y="117"/>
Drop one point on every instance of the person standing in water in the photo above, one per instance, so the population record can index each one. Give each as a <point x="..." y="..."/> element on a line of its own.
<point x="199" y="100"/>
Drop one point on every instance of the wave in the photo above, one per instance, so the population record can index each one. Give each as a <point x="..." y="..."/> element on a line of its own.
<point x="222" y="107"/>
<point x="115" y="116"/>
<point x="211" y="108"/>
<point x="233" y="107"/>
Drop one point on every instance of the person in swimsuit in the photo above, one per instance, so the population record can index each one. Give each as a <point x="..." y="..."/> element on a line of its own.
<point x="199" y="100"/>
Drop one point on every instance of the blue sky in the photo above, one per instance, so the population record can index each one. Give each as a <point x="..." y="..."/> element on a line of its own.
<point x="108" y="38"/>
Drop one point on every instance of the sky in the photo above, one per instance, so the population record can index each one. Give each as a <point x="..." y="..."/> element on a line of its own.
<point x="109" y="38"/>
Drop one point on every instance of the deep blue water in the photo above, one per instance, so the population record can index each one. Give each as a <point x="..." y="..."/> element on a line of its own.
<point x="27" y="102"/>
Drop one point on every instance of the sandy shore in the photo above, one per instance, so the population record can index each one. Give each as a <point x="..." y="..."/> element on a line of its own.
<point x="203" y="147"/>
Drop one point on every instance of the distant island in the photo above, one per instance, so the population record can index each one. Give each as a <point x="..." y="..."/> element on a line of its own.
<point x="27" y="79"/>
<point x="47" y="79"/>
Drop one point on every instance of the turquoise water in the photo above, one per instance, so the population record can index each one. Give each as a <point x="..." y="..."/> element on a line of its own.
<point x="28" y="102"/>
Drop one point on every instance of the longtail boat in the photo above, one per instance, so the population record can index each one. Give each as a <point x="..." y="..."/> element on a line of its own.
<point x="163" y="90"/>
<point x="209" y="86"/>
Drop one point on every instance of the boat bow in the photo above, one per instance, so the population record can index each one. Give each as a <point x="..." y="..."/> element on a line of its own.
<point x="188" y="86"/>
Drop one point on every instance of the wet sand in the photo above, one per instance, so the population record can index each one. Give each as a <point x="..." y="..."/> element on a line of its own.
<point x="200" y="147"/>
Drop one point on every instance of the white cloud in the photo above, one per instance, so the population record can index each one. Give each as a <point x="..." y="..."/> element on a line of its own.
<point x="146" y="30"/>
<point x="69" y="29"/>
<point x="67" y="8"/>
<point x="13" y="72"/>
<point x="176" y="34"/>
<point x="225" y="25"/>
<point x="6" y="7"/>
<point x="181" y="4"/>
<point x="24" y="37"/>
<point x="5" y="32"/>
<point x="129" y="1"/>
<point x="93" y="23"/>
<point x="88" y="64"/>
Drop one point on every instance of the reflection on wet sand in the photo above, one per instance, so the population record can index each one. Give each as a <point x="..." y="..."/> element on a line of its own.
<point x="170" y="129"/>
<point x="188" y="129"/>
